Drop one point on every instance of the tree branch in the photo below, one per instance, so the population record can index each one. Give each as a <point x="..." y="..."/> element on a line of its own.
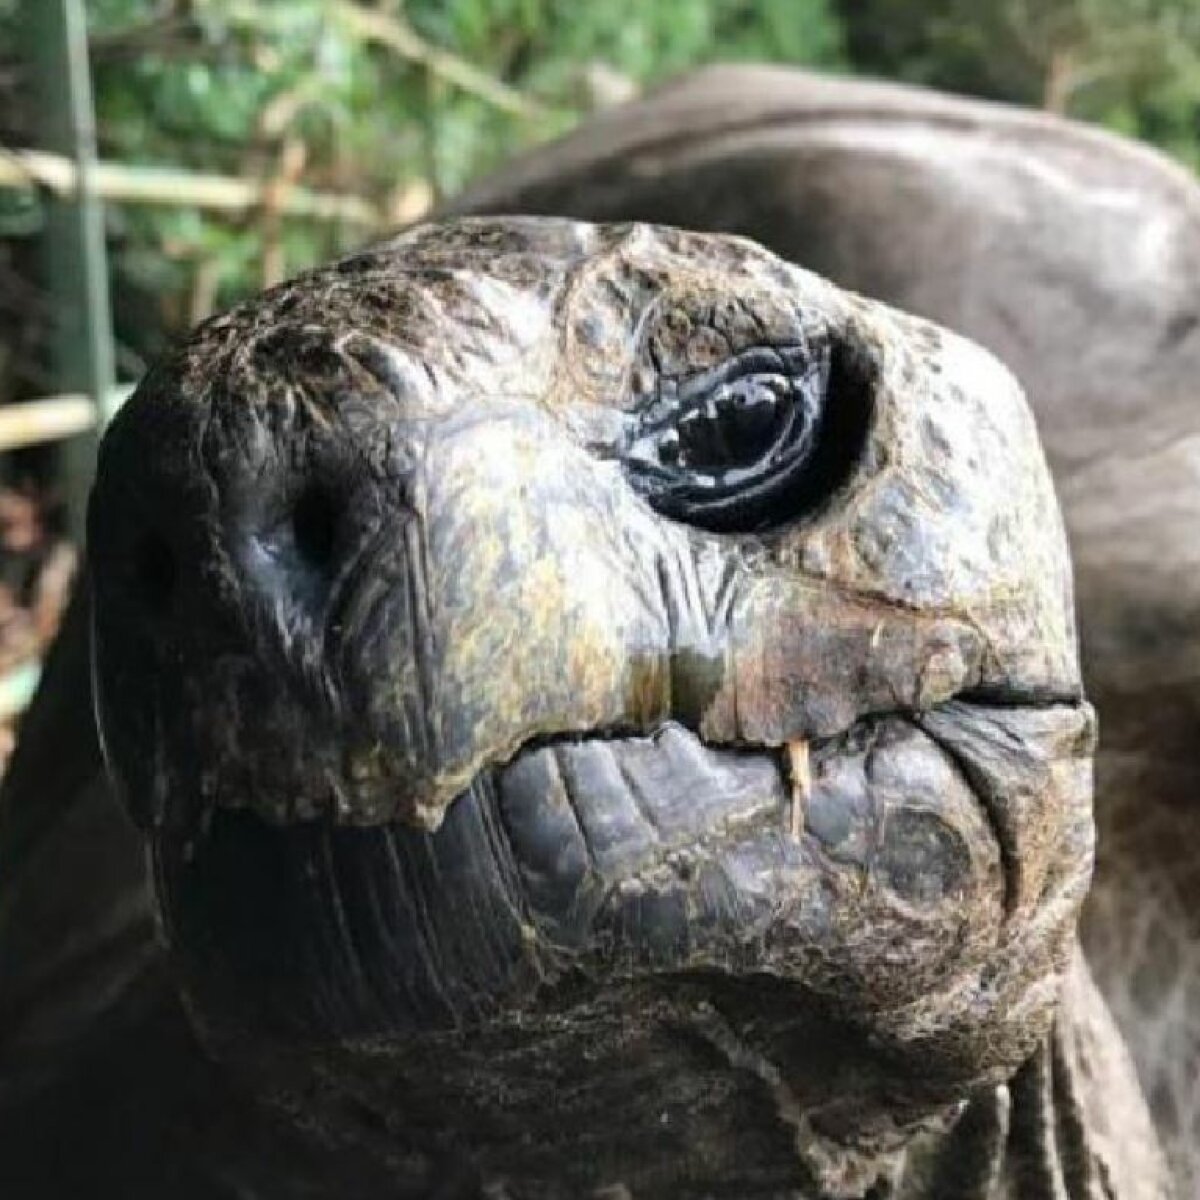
<point x="397" y="35"/>
<point x="178" y="189"/>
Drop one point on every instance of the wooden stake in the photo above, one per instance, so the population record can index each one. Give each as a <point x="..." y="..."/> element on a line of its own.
<point x="800" y="771"/>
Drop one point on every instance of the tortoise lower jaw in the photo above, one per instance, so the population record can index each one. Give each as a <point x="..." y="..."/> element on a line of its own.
<point x="325" y="929"/>
<point x="598" y="858"/>
<point x="647" y="907"/>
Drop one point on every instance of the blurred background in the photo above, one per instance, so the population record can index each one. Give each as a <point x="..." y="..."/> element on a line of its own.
<point x="160" y="159"/>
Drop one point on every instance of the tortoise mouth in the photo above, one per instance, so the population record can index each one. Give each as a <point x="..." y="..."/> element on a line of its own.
<point x="602" y="857"/>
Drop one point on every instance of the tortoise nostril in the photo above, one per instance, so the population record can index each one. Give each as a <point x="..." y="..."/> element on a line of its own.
<point x="314" y="526"/>
<point x="156" y="570"/>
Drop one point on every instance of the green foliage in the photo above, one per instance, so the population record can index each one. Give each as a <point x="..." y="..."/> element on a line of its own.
<point x="399" y="101"/>
<point x="231" y="86"/>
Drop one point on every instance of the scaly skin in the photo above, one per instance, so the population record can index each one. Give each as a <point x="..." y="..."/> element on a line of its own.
<point x="460" y="747"/>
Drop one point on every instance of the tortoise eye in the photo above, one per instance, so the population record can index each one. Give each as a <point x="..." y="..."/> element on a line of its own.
<point x="731" y="448"/>
<point x="736" y="426"/>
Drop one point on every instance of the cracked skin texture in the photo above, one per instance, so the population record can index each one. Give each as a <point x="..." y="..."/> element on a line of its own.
<point x="462" y="768"/>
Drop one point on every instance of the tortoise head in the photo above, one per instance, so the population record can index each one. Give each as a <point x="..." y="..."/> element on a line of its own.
<point x="528" y="636"/>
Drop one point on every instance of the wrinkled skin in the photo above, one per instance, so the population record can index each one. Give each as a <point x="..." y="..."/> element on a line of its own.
<point x="1059" y="1100"/>
<point x="396" y="652"/>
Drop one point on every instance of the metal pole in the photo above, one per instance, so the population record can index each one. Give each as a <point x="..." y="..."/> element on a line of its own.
<point x="76" y="260"/>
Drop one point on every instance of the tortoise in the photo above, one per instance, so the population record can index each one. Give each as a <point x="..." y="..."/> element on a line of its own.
<point x="597" y="724"/>
<point x="897" y="1089"/>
